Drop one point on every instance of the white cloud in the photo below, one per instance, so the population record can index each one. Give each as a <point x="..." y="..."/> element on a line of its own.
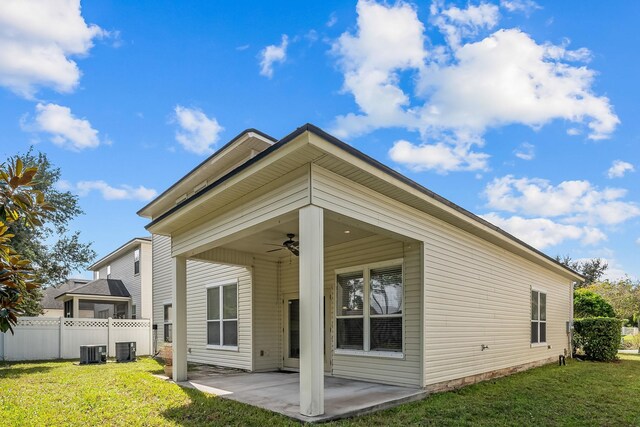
<point x="440" y="157"/>
<point x="526" y="151"/>
<point x="64" y="129"/>
<point x="524" y="6"/>
<point x="638" y="240"/>
<point x="38" y="39"/>
<point x="572" y="201"/>
<point x="197" y="133"/>
<point x="272" y="54"/>
<point x="123" y="192"/>
<point x="456" y="24"/>
<point x="543" y="232"/>
<point x="465" y="87"/>
<point x="619" y="168"/>
<point x="333" y="19"/>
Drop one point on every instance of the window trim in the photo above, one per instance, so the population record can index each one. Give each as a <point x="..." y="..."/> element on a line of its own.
<point x="165" y="322"/>
<point x="222" y="284"/>
<point x="546" y="321"/>
<point x="136" y="262"/>
<point x="366" y="317"/>
<point x="109" y="271"/>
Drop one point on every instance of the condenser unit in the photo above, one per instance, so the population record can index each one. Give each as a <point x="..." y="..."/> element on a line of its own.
<point x="93" y="354"/>
<point x="125" y="352"/>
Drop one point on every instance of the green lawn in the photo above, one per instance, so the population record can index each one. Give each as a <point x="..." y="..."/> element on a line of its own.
<point x="62" y="394"/>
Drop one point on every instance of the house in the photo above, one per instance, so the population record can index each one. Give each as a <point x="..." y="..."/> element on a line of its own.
<point x="55" y="308"/>
<point x="306" y="254"/>
<point x="120" y="289"/>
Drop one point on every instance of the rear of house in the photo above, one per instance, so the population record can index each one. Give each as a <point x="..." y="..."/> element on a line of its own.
<point x="305" y="254"/>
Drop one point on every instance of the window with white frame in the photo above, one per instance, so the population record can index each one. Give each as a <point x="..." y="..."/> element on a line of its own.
<point x="109" y="271"/>
<point x="97" y="274"/>
<point x="134" y="311"/>
<point x="136" y="261"/>
<point x="222" y="314"/>
<point x="369" y="308"/>
<point x="168" y="323"/>
<point x="538" y="317"/>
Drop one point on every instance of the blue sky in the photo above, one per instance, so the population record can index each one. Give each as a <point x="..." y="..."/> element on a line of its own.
<point x="523" y="112"/>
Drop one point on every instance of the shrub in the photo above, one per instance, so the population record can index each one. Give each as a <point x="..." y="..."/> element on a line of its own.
<point x="598" y="337"/>
<point x="589" y="304"/>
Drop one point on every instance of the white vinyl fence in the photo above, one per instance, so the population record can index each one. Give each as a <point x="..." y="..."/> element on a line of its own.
<point x="41" y="338"/>
<point x="629" y="331"/>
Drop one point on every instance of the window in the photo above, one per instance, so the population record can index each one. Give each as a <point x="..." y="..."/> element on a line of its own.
<point x="136" y="261"/>
<point x="374" y="326"/>
<point x="134" y="311"/>
<point x="538" y="317"/>
<point x="97" y="274"/>
<point x="222" y="315"/>
<point x="68" y="308"/>
<point x="109" y="271"/>
<point x="168" y="321"/>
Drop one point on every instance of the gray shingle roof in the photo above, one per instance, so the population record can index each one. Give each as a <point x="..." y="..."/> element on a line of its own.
<point x="102" y="287"/>
<point x="49" y="294"/>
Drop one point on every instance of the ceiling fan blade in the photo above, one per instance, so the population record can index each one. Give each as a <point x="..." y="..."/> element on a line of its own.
<point x="272" y="244"/>
<point x="275" y="250"/>
<point x="294" y="251"/>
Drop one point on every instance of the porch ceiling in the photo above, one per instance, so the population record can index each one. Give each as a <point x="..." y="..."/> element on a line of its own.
<point x="337" y="230"/>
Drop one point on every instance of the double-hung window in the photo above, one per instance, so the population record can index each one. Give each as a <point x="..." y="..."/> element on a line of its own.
<point x="136" y="261"/>
<point x="222" y="315"/>
<point x="369" y="308"/>
<point x="538" y="317"/>
<point x="168" y="323"/>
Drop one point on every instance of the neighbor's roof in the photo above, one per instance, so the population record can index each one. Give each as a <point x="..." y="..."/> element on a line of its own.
<point x="130" y="245"/>
<point x="475" y="221"/>
<point x="101" y="287"/>
<point x="49" y="294"/>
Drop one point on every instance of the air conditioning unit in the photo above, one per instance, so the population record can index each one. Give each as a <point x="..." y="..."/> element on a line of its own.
<point x="125" y="352"/>
<point x="93" y="354"/>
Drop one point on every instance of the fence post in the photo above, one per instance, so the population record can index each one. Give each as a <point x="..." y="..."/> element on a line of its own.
<point x="61" y="340"/>
<point x="109" y="337"/>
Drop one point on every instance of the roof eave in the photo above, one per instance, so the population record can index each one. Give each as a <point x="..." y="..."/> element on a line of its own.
<point x="122" y="249"/>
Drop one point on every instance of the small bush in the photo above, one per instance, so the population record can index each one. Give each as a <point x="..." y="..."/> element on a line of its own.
<point x="598" y="337"/>
<point x="589" y="304"/>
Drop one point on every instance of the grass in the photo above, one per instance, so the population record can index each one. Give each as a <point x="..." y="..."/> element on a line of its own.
<point x="63" y="394"/>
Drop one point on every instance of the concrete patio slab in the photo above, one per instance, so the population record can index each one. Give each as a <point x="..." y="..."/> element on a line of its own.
<point x="279" y="392"/>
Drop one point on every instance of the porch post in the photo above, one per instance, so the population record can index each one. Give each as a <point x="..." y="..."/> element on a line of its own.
<point x="311" y="314"/>
<point x="76" y="308"/>
<point x="179" y="301"/>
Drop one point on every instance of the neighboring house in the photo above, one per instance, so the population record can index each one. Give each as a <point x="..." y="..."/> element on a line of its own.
<point x="53" y="307"/>
<point x="382" y="280"/>
<point x="122" y="283"/>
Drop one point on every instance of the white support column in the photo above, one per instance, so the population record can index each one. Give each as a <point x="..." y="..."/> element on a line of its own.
<point x="311" y="310"/>
<point x="179" y="301"/>
<point x="76" y="308"/>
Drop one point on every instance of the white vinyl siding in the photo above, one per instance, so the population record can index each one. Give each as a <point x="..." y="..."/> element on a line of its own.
<point x="287" y="193"/>
<point x="389" y="370"/>
<point x="267" y="330"/>
<point x="475" y="292"/>
<point x="199" y="275"/>
<point x="161" y="278"/>
<point x="121" y="268"/>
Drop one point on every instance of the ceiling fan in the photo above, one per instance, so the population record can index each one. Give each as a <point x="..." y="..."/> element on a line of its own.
<point x="289" y="244"/>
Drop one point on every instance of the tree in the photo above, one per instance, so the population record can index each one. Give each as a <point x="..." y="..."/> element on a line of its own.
<point x="592" y="269"/>
<point x="20" y="203"/>
<point x="589" y="304"/>
<point x="54" y="251"/>
<point x="622" y="294"/>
